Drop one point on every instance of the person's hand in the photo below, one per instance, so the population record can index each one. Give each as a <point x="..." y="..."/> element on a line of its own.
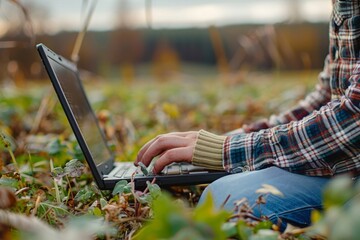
<point x="171" y="147"/>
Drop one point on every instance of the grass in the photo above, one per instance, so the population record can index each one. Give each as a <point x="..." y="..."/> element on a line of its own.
<point x="37" y="172"/>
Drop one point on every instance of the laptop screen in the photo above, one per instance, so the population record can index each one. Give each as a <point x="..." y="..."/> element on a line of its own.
<point x="81" y="110"/>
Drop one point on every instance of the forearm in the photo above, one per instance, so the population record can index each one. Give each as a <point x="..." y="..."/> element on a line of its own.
<point x="313" y="101"/>
<point x="326" y="142"/>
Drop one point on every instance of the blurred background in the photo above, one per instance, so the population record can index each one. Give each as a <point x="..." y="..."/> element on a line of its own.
<point x="149" y="67"/>
<point x="161" y="39"/>
<point x="154" y="66"/>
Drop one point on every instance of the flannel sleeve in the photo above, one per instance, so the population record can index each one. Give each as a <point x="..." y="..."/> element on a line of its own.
<point x="324" y="143"/>
<point x="313" y="101"/>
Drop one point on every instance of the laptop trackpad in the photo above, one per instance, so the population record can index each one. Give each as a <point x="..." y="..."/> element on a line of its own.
<point x="182" y="168"/>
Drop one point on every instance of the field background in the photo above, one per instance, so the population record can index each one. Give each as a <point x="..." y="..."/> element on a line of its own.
<point x="143" y="82"/>
<point x="49" y="187"/>
<point x="139" y="111"/>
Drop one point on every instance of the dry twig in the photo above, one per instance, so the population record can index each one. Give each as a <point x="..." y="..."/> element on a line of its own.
<point x="81" y="35"/>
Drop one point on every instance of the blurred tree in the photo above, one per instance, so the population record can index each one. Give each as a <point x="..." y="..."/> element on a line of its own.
<point x="294" y="12"/>
<point x="126" y="44"/>
<point x="166" y="61"/>
<point x="23" y="22"/>
<point x="218" y="48"/>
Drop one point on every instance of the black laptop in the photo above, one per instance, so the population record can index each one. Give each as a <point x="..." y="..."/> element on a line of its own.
<point x="66" y="81"/>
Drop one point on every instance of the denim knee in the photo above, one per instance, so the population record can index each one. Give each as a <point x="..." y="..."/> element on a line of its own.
<point x="301" y="193"/>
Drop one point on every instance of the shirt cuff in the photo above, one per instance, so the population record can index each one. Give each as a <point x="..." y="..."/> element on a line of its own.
<point x="209" y="150"/>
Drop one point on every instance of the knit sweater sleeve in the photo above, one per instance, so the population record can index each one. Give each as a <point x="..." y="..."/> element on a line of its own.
<point x="208" y="151"/>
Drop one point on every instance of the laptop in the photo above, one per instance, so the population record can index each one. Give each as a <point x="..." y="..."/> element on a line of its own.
<point x="67" y="84"/>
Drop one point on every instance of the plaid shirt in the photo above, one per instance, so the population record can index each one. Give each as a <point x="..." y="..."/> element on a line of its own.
<point x="320" y="136"/>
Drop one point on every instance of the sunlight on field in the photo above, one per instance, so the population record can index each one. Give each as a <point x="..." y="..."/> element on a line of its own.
<point x="147" y="108"/>
<point x="141" y="110"/>
<point x="35" y="126"/>
<point x="149" y="68"/>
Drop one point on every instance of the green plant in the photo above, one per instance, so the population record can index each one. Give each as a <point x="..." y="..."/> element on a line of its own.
<point x="53" y="187"/>
<point x="340" y="218"/>
<point x="8" y="146"/>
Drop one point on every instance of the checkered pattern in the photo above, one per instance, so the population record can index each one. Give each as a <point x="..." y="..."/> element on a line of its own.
<point x="320" y="136"/>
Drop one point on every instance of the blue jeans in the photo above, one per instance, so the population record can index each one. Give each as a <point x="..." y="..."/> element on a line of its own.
<point x="301" y="193"/>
